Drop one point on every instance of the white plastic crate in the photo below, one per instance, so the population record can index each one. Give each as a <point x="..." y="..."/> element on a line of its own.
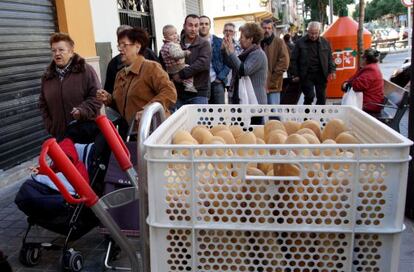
<point x="236" y="250"/>
<point x="206" y="186"/>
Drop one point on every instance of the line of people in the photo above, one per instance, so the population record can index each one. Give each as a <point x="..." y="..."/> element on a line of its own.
<point x="196" y="68"/>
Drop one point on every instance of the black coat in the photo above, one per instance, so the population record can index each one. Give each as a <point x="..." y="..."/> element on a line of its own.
<point x="300" y="59"/>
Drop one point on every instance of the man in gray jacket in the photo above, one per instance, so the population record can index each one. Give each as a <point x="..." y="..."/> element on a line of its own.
<point x="198" y="64"/>
<point x="312" y="64"/>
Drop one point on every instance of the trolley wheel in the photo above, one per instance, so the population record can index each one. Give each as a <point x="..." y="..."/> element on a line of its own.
<point x="30" y="254"/>
<point x="72" y="260"/>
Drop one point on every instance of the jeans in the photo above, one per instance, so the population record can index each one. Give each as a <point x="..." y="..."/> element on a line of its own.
<point x="273" y="98"/>
<point x="192" y="100"/>
<point x="217" y="93"/>
<point x="314" y="80"/>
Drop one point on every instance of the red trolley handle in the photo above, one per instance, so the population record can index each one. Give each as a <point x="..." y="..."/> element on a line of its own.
<point x="115" y="142"/>
<point x="51" y="148"/>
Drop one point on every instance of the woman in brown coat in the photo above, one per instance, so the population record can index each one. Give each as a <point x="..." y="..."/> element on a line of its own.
<point x="68" y="88"/>
<point x="141" y="82"/>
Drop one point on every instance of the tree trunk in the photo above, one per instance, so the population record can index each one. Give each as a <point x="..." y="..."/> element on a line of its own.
<point x="361" y="30"/>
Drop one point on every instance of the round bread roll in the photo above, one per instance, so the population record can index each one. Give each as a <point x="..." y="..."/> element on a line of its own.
<point x="314" y="125"/>
<point x="201" y="134"/>
<point x="291" y="126"/>
<point x="332" y="129"/>
<point x="198" y="127"/>
<point x="217" y="128"/>
<point x="274" y="132"/>
<point x="296" y="139"/>
<point x="312" y="139"/>
<point x="288" y="170"/>
<point x="272" y="125"/>
<point x="270" y="172"/>
<point x="182" y="135"/>
<point x="253" y="171"/>
<point x="306" y="131"/>
<point x="265" y="167"/>
<point x="346" y="138"/>
<point x="227" y="136"/>
<point x="246" y="138"/>
<point x="215" y="140"/>
<point x="259" y="141"/>
<point x="275" y="137"/>
<point x="236" y="130"/>
<point x="259" y="132"/>
<point x="184" y="152"/>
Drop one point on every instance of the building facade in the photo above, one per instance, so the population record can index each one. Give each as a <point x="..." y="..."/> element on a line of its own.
<point x="25" y="28"/>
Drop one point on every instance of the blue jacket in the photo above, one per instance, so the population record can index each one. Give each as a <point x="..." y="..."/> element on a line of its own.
<point x="217" y="60"/>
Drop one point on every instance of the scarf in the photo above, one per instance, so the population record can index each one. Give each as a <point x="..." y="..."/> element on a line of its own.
<point x="234" y="87"/>
<point x="61" y="72"/>
<point x="267" y="41"/>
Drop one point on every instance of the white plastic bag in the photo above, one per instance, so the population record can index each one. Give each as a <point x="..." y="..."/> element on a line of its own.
<point x="246" y="91"/>
<point x="352" y="98"/>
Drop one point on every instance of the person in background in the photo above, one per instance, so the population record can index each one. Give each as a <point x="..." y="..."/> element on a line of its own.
<point x="291" y="90"/>
<point x="229" y="31"/>
<point x="288" y="42"/>
<point x="140" y="82"/>
<point x="174" y="57"/>
<point x="198" y="64"/>
<point x="116" y="64"/>
<point x="368" y="80"/>
<point x="252" y="62"/>
<point x="68" y="88"/>
<point x="298" y="35"/>
<point x="218" y="71"/>
<point x="312" y="64"/>
<point x="277" y="62"/>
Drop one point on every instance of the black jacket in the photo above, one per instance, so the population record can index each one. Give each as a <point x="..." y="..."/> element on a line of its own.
<point x="300" y="60"/>
<point x="199" y="68"/>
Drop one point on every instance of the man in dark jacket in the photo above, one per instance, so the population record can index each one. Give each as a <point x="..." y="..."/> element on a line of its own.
<point x="218" y="71"/>
<point x="312" y="64"/>
<point x="198" y="64"/>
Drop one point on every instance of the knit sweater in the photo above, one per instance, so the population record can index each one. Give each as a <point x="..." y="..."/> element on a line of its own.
<point x="255" y="66"/>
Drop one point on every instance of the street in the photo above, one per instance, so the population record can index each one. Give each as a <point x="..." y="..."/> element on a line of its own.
<point x="393" y="61"/>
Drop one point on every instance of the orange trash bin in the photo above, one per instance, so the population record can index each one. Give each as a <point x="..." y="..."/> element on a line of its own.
<point x="343" y="38"/>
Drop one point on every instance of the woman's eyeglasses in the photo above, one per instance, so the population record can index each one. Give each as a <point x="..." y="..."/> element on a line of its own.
<point x="123" y="45"/>
<point x="58" y="51"/>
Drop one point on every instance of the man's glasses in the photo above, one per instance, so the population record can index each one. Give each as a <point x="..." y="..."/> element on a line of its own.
<point x="123" y="45"/>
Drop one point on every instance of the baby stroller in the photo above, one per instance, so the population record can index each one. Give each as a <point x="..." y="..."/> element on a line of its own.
<point x="40" y="200"/>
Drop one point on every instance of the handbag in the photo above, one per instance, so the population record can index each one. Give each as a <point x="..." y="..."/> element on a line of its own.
<point x="352" y="98"/>
<point x="246" y="91"/>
